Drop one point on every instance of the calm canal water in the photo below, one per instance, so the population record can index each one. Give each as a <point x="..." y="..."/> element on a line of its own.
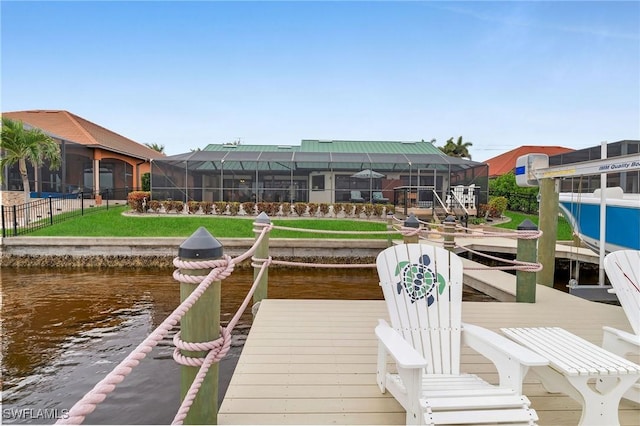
<point x="63" y="330"/>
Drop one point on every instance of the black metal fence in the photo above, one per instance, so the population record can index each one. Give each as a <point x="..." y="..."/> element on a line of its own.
<point x="21" y="219"/>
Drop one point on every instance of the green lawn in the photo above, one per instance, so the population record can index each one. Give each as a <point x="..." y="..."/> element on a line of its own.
<point x="112" y="223"/>
<point x="564" y="229"/>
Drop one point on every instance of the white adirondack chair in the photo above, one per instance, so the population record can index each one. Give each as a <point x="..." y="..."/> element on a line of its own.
<point x="623" y="269"/>
<point x="422" y="286"/>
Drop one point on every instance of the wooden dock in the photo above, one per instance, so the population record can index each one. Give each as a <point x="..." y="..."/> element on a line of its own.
<point x="314" y="361"/>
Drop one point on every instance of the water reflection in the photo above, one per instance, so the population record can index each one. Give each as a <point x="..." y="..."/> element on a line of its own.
<point x="63" y="330"/>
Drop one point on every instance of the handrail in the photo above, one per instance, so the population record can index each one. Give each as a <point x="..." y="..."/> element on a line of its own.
<point x="441" y="202"/>
<point x="460" y="203"/>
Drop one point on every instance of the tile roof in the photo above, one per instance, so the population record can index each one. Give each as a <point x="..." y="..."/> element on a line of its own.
<point x="68" y="126"/>
<point x="504" y="163"/>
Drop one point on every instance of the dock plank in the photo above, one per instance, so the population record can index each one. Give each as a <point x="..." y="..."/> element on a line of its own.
<point x="313" y="361"/>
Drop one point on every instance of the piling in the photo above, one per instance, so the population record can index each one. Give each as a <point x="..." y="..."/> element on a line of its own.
<point x="262" y="252"/>
<point x="200" y="324"/>
<point x="549" y="201"/>
<point x="526" y="252"/>
<point x="449" y="229"/>
<point x="411" y="222"/>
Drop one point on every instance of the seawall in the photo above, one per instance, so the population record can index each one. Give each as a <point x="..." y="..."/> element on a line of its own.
<point x="159" y="252"/>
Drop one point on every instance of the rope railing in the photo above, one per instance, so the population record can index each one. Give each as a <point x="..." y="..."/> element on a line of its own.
<point x="219" y="270"/>
<point x="472" y="232"/>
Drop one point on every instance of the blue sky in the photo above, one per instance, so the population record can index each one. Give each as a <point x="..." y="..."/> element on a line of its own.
<point x="186" y="74"/>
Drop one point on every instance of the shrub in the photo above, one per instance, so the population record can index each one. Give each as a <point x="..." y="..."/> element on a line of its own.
<point x="348" y="209"/>
<point x="207" y="207"/>
<point x="178" y="206"/>
<point x="221" y="207"/>
<point x="234" y="208"/>
<point x="271" y="209"/>
<point x="194" y="206"/>
<point x="154" y="205"/>
<point x="313" y="209"/>
<point x="249" y="208"/>
<point x="378" y="209"/>
<point x="324" y="209"/>
<point x="300" y="208"/>
<point x="168" y="205"/>
<point x="497" y="206"/>
<point x="358" y="210"/>
<point x="368" y="209"/>
<point x="135" y="200"/>
<point x="483" y="209"/>
<point x="286" y="209"/>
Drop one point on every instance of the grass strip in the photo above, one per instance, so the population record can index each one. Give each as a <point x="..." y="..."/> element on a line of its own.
<point x="112" y="223"/>
<point x="565" y="232"/>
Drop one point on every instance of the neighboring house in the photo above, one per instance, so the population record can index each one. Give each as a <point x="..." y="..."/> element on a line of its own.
<point x="94" y="159"/>
<point x="317" y="171"/>
<point x="504" y="163"/>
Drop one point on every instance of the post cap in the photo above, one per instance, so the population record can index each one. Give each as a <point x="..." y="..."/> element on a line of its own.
<point x="263" y="218"/>
<point x="411" y="221"/>
<point x="200" y="245"/>
<point x="450" y="219"/>
<point x="527" y="225"/>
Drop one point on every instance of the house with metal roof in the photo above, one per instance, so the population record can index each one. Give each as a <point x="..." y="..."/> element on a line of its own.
<point x="94" y="159"/>
<point x="415" y="174"/>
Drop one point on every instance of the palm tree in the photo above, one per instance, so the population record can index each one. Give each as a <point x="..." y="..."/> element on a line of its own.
<point x="156" y="147"/>
<point x="457" y="149"/>
<point x="20" y="145"/>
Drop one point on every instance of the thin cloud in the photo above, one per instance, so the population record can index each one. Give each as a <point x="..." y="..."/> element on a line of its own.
<point x="522" y="21"/>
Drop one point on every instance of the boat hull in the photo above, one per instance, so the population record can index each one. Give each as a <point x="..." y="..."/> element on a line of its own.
<point x="622" y="218"/>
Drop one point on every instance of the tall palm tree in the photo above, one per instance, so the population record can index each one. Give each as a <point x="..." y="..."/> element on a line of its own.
<point x="458" y="149"/>
<point x="156" y="147"/>
<point x="20" y="145"/>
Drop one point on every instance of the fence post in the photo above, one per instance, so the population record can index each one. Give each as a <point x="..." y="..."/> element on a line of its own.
<point x="411" y="222"/>
<point x="262" y="252"/>
<point x="50" y="210"/>
<point x="449" y="229"/>
<point x="201" y="323"/>
<point x="15" y="221"/>
<point x="526" y="252"/>
<point x="82" y="204"/>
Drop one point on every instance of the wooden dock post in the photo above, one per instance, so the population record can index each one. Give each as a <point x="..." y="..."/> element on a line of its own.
<point x="262" y="252"/>
<point x="549" y="201"/>
<point x="526" y="252"/>
<point x="449" y="229"/>
<point x="389" y="228"/>
<point x="411" y="222"/>
<point x="201" y="323"/>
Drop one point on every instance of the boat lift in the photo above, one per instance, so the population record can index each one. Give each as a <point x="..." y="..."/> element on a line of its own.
<point x="531" y="168"/>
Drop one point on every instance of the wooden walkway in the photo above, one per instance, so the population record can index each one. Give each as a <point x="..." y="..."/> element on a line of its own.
<point x="313" y="361"/>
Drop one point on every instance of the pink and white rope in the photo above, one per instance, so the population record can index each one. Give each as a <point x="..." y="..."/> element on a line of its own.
<point x="218" y="350"/>
<point x="517" y="265"/>
<point x="221" y="268"/>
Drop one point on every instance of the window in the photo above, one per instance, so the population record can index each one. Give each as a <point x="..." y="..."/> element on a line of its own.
<point x="317" y="183"/>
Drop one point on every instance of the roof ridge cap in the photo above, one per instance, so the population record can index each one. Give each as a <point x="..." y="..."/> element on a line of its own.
<point x="72" y="117"/>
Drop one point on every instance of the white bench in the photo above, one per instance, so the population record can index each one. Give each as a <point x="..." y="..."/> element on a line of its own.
<point x="573" y="362"/>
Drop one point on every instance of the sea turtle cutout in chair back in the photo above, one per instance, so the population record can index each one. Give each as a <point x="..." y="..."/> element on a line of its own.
<point x="422" y="287"/>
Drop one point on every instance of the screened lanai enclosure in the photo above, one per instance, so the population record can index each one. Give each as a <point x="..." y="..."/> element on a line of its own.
<point x="284" y="174"/>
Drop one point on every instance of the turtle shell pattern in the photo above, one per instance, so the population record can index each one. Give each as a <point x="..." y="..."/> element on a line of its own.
<point x="419" y="281"/>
